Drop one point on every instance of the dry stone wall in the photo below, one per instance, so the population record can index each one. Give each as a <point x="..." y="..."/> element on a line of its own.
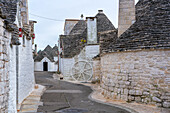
<point x="140" y="76"/>
<point x="96" y="69"/>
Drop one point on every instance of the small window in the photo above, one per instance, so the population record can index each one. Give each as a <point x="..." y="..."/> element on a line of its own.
<point x="23" y="40"/>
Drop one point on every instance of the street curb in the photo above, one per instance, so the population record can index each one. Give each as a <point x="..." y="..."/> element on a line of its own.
<point x="110" y="104"/>
<point x="37" y="92"/>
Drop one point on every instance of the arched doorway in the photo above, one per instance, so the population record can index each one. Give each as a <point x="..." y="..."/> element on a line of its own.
<point x="45" y="66"/>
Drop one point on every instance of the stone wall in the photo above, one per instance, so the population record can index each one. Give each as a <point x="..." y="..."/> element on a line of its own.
<point x="5" y="37"/>
<point x="96" y="69"/>
<point x="140" y="76"/>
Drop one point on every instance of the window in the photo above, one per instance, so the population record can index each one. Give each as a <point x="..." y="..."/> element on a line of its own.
<point x="23" y="40"/>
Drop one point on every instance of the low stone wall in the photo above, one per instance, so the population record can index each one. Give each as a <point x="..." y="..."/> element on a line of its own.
<point x="96" y="69"/>
<point x="140" y="76"/>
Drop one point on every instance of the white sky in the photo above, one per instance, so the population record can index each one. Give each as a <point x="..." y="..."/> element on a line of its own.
<point x="47" y="32"/>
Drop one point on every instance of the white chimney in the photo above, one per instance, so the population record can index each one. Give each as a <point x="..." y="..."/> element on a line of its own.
<point x="91" y="30"/>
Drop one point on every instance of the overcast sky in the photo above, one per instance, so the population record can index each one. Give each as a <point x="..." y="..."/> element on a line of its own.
<point x="47" y="31"/>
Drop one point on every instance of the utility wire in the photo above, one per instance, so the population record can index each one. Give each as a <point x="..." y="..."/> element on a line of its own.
<point x="46" y="17"/>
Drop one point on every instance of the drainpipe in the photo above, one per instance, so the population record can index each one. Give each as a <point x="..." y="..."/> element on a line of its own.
<point x="17" y="75"/>
<point x="58" y="56"/>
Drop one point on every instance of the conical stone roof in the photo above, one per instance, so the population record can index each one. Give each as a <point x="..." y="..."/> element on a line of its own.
<point x="79" y="28"/>
<point x="103" y="23"/>
<point x="151" y="29"/>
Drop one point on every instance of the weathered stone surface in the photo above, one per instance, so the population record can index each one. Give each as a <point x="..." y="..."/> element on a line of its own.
<point x="4" y="70"/>
<point x="126" y="15"/>
<point x="150" y="31"/>
<point x="166" y="104"/>
<point x="8" y="12"/>
<point x="155" y="99"/>
<point x="140" y="88"/>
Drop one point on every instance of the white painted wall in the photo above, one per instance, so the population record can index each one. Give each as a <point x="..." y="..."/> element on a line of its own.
<point x="52" y="66"/>
<point x="87" y="53"/>
<point x="92" y="51"/>
<point x="91" y="31"/>
<point x="12" y="81"/>
<point x="7" y="73"/>
<point x="66" y="64"/>
<point x="56" y="59"/>
<point x="26" y="80"/>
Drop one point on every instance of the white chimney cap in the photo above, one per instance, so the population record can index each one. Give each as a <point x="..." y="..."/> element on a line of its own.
<point x="100" y="11"/>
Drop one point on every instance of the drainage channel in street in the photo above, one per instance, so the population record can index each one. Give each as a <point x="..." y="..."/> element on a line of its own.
<point x="72" y="111"/>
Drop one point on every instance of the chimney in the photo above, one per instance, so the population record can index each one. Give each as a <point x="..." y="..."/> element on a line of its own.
<point x="100" y="11"/>
<point x="35" y="49"/>
<point x="82" y="17"/>
<point x="126" y="15"/>
<point x="91" y="30"/>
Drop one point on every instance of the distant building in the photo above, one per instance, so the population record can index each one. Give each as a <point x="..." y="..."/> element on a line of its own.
<point x="82" y="43"/>
<point x="47" y="60"/>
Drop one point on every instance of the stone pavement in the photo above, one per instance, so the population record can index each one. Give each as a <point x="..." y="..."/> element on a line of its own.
<point x="66" y="97"/>
<point x="31" y="103"/>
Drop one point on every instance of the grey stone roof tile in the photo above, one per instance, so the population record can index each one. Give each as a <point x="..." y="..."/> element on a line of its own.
<point x="79" y="28"/>
<point x="151" y="29"/>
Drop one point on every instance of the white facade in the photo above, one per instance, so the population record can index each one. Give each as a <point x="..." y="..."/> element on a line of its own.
<point x="87" y="53"/>
<point x="26" y="80"/>
<point x="52" y="66"/>
<point x="12" y="81"/>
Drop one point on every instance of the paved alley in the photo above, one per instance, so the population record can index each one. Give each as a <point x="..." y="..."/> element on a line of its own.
<point x="64" y="97"/>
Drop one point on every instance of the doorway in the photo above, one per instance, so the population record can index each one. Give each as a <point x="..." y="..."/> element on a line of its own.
<point x="45" y="66"/>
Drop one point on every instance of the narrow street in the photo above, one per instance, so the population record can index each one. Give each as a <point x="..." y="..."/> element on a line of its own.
<point x="64" y="97"/>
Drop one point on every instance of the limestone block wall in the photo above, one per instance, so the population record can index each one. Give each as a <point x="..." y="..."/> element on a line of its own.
<point x="26" y="80"/>
<point x="5" y="36"/>
<point x="96" y="69"/>
<point x="140" y="76"/>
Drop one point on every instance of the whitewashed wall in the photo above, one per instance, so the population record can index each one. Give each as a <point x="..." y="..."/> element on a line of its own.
<point x="5" y="75"/>
<point x="66" y="64"/>
<point x="52" y="66"/>
<point x="92" y="50"/>
<point x="87" y="53"/>
<point x="12" y="81"/>
<point x="26" y="80"/>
